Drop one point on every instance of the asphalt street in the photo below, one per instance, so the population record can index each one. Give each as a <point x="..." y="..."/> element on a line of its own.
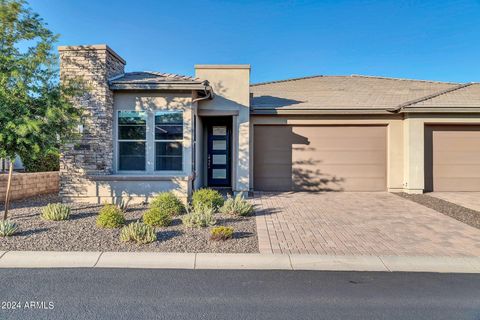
<point x="220" y="294"/>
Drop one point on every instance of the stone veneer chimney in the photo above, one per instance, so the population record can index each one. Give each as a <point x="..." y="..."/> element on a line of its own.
<point x="93" y="153"/>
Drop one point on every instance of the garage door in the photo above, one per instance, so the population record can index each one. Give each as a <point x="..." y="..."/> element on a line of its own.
<point x="320" y="158"/>
<point x="452" y="158"/>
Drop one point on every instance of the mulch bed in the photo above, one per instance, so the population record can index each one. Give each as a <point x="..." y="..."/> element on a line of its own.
<point x="81" y="234"/>
<point x="465" y="215"/>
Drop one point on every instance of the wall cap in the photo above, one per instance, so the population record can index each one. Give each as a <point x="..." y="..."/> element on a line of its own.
<point x="92" y="47"/>
<point x="222" y="66"/>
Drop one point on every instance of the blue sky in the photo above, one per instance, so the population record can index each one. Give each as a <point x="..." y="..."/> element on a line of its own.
<point x="437" y="40"/>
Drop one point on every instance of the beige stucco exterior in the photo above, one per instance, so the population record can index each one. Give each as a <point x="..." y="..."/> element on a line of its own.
<point x="231" y="84"/>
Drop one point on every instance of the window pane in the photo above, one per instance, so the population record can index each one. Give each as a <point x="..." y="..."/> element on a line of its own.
<point x="169" y="117"/>
<point x="132" y="117"/>
<point x="132" y="125"/>
<point x="219" y="145"/>
<point x="168" y="132"/>
<point x="132" y="132"/>
<point x="168" y="163"/>
<point x="168" y="156"/>
<point x="219" y="173"/>
<point x="168" y="125"/>
<point x="131" y="156"/>
<point x="219" y="159"/>
<point x="219" y="131"/>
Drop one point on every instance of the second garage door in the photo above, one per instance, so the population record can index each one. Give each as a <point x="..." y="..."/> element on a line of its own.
<point x="320" y="158"/>
<point x="452" y="158"/>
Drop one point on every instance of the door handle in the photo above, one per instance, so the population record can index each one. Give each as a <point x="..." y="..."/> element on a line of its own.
<point x="208" y="162"/>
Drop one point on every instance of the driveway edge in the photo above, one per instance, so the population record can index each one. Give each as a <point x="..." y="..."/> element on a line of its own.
<point x="237" y="261"/>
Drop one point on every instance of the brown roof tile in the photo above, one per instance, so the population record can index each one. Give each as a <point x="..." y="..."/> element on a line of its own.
<point x="342" y="92"/>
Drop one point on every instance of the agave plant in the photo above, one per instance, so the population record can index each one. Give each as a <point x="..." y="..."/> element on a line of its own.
<point x="55" y="212"/>
<point x="237" y="206"/>
<point x="138" y="232"/>
<point x="199" y="217"/>
<point x="8" y="228"/>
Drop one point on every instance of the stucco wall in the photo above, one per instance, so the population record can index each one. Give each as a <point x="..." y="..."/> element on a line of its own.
<point x="26" y="185"/>
<point x="231" y="84"/>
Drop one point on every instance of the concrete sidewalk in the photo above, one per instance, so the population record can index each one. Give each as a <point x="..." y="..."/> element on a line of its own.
<point x="159" y="260"/>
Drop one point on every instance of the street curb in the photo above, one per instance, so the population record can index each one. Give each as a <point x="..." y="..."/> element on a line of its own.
<point x="236" y="261"/>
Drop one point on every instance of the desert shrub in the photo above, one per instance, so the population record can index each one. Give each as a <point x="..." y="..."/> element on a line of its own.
<point x="157" y="217"/>
<point x="8" y="228"/>
<point x="221" y="233"/>
<point x="55" y="212"/>
<point x="207" y="198"/>
<point x="110" y="216"/>
<point x="199" y="217"/>
<point x="41" y="163"/>
<point x="237" y="206"/>
<point x="138" y="232"/>
<point x="168" y="202"/>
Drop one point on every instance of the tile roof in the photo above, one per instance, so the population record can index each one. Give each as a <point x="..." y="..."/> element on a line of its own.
<point x="360" y="92"/>
<point x="466" y="96"/>
<point x="150" y="77"/>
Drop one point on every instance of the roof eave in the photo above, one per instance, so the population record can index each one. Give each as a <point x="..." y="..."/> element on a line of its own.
<point x="439" y="109"/>
<point x="157" y="86"/>
<point x="317" y="111"/>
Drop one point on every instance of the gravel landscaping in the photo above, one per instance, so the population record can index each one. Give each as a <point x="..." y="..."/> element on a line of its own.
<point x="465" y="215"/>
<point x="81" y="234"/>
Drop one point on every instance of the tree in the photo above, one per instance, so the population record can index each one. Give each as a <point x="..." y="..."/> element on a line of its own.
<point x="36" y="110"/>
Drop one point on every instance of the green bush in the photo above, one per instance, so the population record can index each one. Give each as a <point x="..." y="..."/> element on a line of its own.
<point x="110" y="216"/>
<point x="41" y="163"/>
<point x="168" y="202"/>
<point x="55" y="212"/>
<point x="221" y="233"/>
<point x="199" y="217"/>
<point x="8" y="228"/>
<point x="207" y="198"/>
<point x="157" y="217"/>
<point x="138" y="232"/>
<point x="237" y="206"/>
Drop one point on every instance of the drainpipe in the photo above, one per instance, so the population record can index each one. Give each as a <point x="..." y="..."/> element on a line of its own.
<point x="208" y="92"/>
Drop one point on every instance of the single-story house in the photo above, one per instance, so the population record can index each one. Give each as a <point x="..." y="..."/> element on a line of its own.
<point x="148" y="132"/>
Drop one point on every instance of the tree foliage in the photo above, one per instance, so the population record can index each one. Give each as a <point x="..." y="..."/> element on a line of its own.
<point x="36" y="110"/>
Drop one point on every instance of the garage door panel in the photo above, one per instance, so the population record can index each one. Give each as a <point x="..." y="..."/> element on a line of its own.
<point x="318" y="158"/>
<point x="467" y="185"/>
<point x="454" y="163"/>
<point x="460" y="171"/>
<point x="341" y="157"/>
<point x="344" y="171"/>
<point x="456" y="158"/>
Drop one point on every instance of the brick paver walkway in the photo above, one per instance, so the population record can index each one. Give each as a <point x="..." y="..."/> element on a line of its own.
<point x="349" y="223"/>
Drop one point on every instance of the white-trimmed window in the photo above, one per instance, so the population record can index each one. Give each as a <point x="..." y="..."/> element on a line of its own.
<point x="132" y="140"/>
<point x="150" y="141"/>
<point x="168" y="140"/>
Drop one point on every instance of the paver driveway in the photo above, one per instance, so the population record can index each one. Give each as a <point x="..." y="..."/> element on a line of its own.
<point x="350" y="223"/>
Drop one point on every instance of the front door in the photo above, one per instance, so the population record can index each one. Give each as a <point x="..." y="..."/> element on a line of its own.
<point x="218" y="157"/>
